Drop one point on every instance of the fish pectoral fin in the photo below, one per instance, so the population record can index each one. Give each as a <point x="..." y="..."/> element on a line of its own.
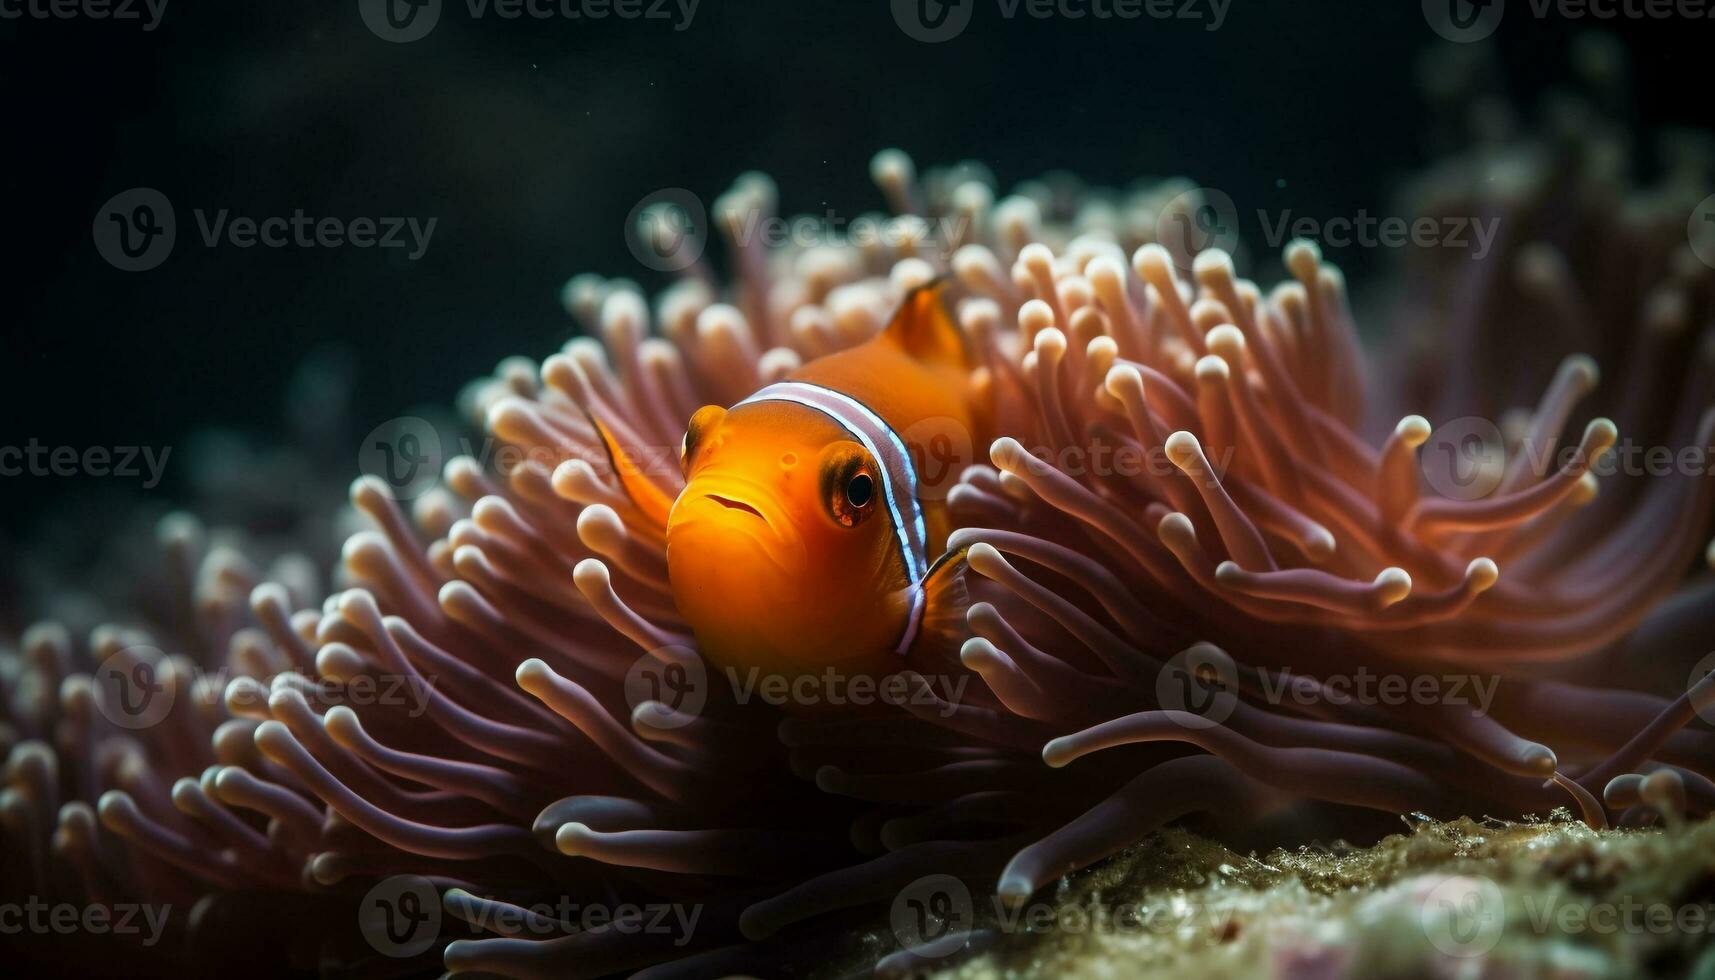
<point x="945" y="601"/>
<point x="650" y="500"/>
<point x="925" y="330"/>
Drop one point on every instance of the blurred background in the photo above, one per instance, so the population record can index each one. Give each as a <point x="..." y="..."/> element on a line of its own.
<point x="529" y="141"/>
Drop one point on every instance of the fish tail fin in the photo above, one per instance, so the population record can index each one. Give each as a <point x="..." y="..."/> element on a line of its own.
<point x="649" y="499"/>
<point x="945" y="601"/>
<point x="924" y="328"/>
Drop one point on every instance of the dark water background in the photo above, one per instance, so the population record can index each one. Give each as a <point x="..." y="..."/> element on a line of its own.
<point x="530" y="141"/>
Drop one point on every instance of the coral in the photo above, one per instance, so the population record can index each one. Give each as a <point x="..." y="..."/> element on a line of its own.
<point x="1536" y="899"/>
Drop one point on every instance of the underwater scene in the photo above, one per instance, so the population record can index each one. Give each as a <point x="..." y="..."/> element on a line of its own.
<point x="958" y="489"/>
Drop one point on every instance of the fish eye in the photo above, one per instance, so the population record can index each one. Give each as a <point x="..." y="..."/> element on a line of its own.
<point x="848" y="484"/>
<point x="861" y="490"/>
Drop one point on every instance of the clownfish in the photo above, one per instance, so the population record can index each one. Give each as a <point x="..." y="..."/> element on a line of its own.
<point x="802" y="539"/>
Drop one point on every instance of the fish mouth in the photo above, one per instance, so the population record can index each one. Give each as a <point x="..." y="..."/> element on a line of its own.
<point x="736" y="519"/>
<point x="736" y="504"/>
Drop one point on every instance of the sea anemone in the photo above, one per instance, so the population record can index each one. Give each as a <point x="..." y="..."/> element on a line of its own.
<point x="1190" y="541"/>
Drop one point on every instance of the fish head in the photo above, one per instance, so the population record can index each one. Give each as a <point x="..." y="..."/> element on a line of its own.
<point x="780" y="548"/>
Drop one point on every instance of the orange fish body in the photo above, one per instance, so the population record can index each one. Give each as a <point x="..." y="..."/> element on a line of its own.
<point x="804" y="538"/>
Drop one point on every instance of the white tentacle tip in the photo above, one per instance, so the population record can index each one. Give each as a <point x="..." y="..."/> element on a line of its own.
<point x="1051" y="343"/>
<point x="1182" y="447"/>
<point x="1123" y="379"/>
<point x="1058" y="753"/>
<point x="1303" y="257"/>
<point x="985" y="558"/>
<point x="1176" y="524"/>
<point x="1585" y="373"/>
<point x="368" y="491"/>
<point x="1481" y="574"/>
<point x="572" y="838"/>
<point x="1600" y="435"/>
<point x="977" y="653"/>
<point x="890" y="165"/>
<point x="1319" y="544"/>
<point x="1007" y="453"/>
<point x="600" y="527"/>
<point x="591" y="576"/>
<point x="532" y="674"/>
<point x="1227" y="341"/>
<point x="1037" y="257"/>
<point x="1413" y="430"/>
<point x="1392" y="585"/>
<point x="1212" y="262"/>
<point x="342" y="725"/>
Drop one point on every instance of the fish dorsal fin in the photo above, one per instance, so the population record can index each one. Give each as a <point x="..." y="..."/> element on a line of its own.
<point x="924" y="329"/>
<point x="649" y="499"/>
